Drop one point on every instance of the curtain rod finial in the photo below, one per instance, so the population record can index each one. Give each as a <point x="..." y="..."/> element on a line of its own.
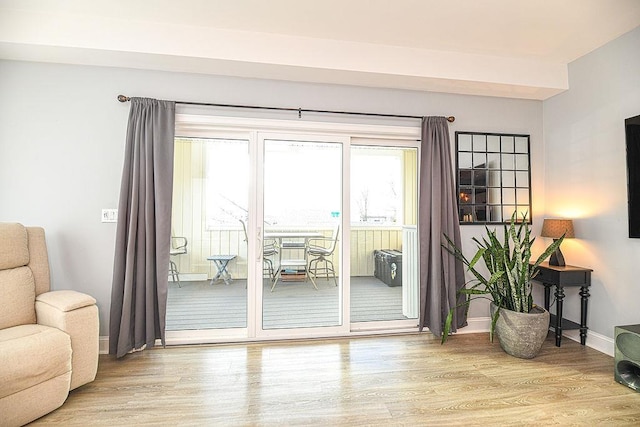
<point x="123" y="98"/>
<point x="451" y="119"/>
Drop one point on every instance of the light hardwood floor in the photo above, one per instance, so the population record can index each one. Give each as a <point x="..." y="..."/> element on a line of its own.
<point x="408" y="380"/>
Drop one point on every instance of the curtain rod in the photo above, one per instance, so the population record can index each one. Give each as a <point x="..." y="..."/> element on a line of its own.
<point x="450" y="119"/>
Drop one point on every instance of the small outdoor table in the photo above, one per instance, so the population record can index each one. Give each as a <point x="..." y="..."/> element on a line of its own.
<point x="221" y="262"/>
<point x="298" y="266"/>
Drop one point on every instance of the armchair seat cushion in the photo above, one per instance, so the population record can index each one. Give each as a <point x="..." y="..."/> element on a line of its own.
<point x="31" y="355"/>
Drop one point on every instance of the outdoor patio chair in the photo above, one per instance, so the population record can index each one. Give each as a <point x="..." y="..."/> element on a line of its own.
<point x="178" y="247"/>
<point x="320" y="251"/>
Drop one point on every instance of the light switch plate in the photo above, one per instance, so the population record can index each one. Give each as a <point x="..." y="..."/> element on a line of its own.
<point x="109" y="215"/>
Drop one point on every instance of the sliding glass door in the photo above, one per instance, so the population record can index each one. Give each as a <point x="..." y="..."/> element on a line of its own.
<point x="292" y="234"/>
<point x="210" y="210"/>
<point x="384" y="196"/>
<point x="302" y="189"/>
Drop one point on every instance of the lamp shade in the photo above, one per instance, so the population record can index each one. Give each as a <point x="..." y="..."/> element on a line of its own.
<point x="555" y="228"/>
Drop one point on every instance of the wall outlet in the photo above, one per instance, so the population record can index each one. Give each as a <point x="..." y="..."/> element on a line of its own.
<point x="109" y="215"/>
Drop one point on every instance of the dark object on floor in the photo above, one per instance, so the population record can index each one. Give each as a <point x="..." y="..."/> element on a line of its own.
<point x="388" y="266"/>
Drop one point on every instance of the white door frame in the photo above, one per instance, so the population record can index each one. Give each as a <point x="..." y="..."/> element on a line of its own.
<point x="256" y="131"/>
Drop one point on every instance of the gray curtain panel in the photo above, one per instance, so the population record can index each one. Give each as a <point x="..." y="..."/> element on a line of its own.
<point x="441" y="275"/>
<point x="143" y="237"/>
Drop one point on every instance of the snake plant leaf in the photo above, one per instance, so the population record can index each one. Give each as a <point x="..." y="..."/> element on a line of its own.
<point x="494" y="320"/>
<point x="477" y="257"/>
<point x="447" y="327"/>
<point x="474" y="291"/>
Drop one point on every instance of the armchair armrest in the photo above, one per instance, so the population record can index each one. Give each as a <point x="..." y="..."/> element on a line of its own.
<point x="64" y="301"/>
<point x="76" y="314"/>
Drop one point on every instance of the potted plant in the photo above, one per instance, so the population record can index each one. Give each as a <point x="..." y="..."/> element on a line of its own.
<point x="520" y="325"/>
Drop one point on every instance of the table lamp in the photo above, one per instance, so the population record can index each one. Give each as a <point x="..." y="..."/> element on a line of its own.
<point x="555" y="228"/>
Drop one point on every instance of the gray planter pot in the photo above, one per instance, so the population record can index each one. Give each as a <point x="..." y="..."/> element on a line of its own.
<point x="521" y="334"/>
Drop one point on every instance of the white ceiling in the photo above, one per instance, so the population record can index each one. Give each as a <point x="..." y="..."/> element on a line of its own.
<point x="512" y="48"/>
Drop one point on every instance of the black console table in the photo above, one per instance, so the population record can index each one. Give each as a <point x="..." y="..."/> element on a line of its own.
<point x="560" y="277"/>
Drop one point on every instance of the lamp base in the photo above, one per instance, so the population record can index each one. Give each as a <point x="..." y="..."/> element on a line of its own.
<point x="557" y="258"/>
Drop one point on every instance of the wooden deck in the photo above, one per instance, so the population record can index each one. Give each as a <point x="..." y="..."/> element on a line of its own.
<point x="199" y="305"/>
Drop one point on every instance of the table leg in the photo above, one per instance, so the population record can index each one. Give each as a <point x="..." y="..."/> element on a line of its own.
<point x="584" y="299"/>
<point x="276" y="277"/>
<point x="313" y="282"/>
<point x="215" y="278"/>
<point x="222" y="272"/>
<point x="226" y="276"/>
<point x="559" y="300"/>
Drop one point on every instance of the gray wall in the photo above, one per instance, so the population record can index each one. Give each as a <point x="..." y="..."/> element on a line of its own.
<point x="586" y="177"/>
<point x="62" y="137"/>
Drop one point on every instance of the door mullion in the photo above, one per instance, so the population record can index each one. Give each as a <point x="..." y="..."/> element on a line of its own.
<point x="254" y="279"/>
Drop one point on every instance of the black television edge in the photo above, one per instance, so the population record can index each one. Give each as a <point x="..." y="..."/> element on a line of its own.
<point x="632" y="132"/>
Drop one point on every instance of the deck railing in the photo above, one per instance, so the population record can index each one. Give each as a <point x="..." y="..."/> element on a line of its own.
<point x="363" y="241"/>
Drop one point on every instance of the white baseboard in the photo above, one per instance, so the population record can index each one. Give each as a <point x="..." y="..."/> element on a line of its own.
<point x="103" y="345"/>
<point x="594" y="340"/>
<point x="476" y="325"/>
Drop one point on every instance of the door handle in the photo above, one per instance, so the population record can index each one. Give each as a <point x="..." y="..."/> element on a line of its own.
<point x="260" y="245"/>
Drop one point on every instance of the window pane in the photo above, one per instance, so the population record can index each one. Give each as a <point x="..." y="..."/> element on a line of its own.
<point x="481" y="196"/>
<point x="302" y="202"/>
<point x="377" y="176"/>
<point x="493" y="161"/>
<point x="522" y="144"/>
<point x="464" y="142"/>
<point x="509" y="196"/>
<point x="480" y="178"/>
<point x="508" y="162"/>
<point x="507" y="144"/>
<point x="465" y="177"/>
<point x="493" y="143"/>
<point x="287" y="196"/>
<point x="495" y="214"/>
<point x="226" y="204"/>
<point x="508" y="179"/>
<point x="494" y="179"/>
<point x="479" y="160"/>
<point x="522" y="179"/>
<point x="207" y="214"/>
<point x="479" y="143"/>
<point x="481" y="213"/>
<point x="383" y="258"/>
<point x="522" y="195"/>
<point x="466" y="214"/>
<point x="466" y="195"/>
<point x="464" y="161"/>
<point x="522" y="162"/>
<point x="507" y="211"/>
<point x="494" y="196"/>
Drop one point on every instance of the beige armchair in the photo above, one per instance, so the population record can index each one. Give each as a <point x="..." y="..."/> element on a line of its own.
<point x="48" y="340"/>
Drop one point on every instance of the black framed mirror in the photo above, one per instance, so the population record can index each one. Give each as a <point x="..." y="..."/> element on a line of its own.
<point x="493" y="175"/>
